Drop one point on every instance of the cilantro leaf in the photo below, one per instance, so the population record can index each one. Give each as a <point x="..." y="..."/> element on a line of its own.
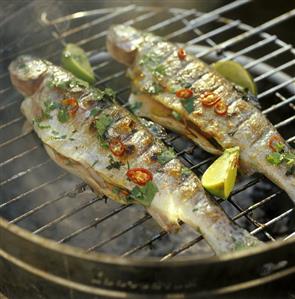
<point x="279" y="146"/>
<point x="275" y="158"/>
<point x="102" y="124"/>
<point x="176" y="115"/>
<point x="134" y="107"/>
<point x="114" y="164"/>
<point x="159" y="70"/>
<point x="94" y="111"/>
<point x="109" y="94"/>
<point x="166" y="156"/>
<point x="63" y="115"/>
<point x="189" y="104"/>
<point x="289" y="159"/>
<point x="145" y="194"/>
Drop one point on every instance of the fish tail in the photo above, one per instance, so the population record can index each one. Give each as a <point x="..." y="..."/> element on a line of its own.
<point x="222" y="234"/>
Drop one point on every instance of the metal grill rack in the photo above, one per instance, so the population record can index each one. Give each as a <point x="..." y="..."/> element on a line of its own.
<point x="39" y="196"/>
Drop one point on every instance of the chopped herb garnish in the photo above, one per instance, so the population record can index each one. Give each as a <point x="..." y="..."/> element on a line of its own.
<point x="185" y="171"/>
<point x="113" y="163"/>
<point x="280" y="156"/>
<point x="154" y="89"/>
<point x="176" y="115"/>
<point x="150" y="59"/>
<point x="159" y="70"/>
<point x="145" y="194"/>
<point x="94" y="111"/>
<point x="289" y="159"/>
<point x="71" y="139"/>
<point x="109" y="94"/>
<point x="275" y="158"/>
<point x="166" y="156"/>
<point x="59" y="137"/>
<point x="279" y="146"/>
<point x="63" y="115"/>
<point x="116" y="190"/>
<point x="50" y="106"/>
<point x="94" y="163"/>
<point x="188" y="104"/>
<point x="40" y="126"/>
<point x="134" y="107"/>
<point x="102" y="123"/>
<point x="54" y="132"/>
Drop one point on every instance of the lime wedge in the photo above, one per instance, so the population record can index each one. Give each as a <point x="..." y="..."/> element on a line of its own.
<point x="236" y="73"/>
<point x="219" y="179"/>
<point x="75" y="60"/>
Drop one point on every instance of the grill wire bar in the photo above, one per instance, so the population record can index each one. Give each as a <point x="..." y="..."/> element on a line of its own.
<point x="198" y="20"/>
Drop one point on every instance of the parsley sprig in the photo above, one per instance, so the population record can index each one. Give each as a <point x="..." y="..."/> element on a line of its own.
<point x="282" y="156"/>
<point x="145" y="194"/>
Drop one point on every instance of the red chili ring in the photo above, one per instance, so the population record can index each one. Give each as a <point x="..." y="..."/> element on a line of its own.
<point x="117" y="147"/>
<point x="139" y="176"/>
<point x="181" y="54"/>
<point x="73" y="103"/>
<point x="185" y="93"/>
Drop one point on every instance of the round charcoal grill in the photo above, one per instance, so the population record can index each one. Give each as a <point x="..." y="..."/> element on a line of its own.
<point x="60" y="240"/>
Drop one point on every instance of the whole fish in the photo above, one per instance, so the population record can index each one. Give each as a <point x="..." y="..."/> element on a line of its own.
<point x="86" y="132"/>
<point x="182" y="93"/>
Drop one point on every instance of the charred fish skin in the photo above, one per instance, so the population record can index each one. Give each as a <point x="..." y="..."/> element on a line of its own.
<point x="86" y="132"/>
<point x="159" y="74"/>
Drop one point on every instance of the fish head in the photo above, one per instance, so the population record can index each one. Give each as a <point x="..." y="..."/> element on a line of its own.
<point x="123" y="43"/>
<point x="27" y="73"/>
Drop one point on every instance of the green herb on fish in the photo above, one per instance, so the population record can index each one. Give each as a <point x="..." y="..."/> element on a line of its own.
<point x="145" y="194"/>
<point x="113" y="163"/>
<point x="55" y="137"/>
<point x="63" y="115"/>
<point x="94" y="163"/>
<point x="185" y="171"/>
<point x="188" y="104"/>
<point x="134" y="107"/>
<point x="102" y="123"/>
<point x="275" y="158"/>
<point x="281" y="156"/>
<point x="150" y="59"/>
<point x="109" y="94"/>
<point x="166" y="156"/>
<point x="154" y="89"/>
<point x="40" y="126"/>
<point x="94" y="111"/>
<point x="176" y="115"/>
<point x="159" y="70"/>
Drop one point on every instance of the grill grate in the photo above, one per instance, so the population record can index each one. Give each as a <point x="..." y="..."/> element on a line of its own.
<point x="28" y="176"/>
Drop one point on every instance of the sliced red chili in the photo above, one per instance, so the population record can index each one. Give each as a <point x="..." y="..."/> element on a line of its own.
<point x="185" y="93"/>
<point x="220" y="108"/>
<point x="209" y="98"/>
<point x="273" y="141"/>
<point x="181" y="54"/>
<point x="117" y="148"/>
<point x="72" y="102"/>
<point x="139" y="176"/>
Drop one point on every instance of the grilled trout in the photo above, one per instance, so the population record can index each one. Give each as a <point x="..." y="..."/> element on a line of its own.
<point x="184" y="94"/>
<point x="86" y="132"/>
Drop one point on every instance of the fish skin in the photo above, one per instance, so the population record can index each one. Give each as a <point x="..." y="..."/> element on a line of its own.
<point x="244" y="125"/>
<point x="74" y="146"/>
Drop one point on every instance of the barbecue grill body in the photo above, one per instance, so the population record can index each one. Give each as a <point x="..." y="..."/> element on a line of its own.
<point x="35" y="267"/>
